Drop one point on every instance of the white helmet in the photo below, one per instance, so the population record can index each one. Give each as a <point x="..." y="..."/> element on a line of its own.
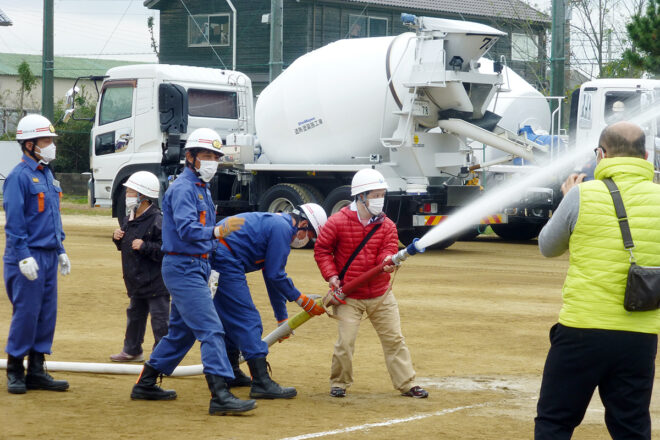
<point x="145" y="183"/>
<point x="313" y="213"/>
<point x="367" y="179"/>
<point x="34" y="126"/>
<point x="206" y="139"/>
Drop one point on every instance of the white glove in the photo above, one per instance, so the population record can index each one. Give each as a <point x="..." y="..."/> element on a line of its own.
<point x="29" y="268"/>
<point x="213" y="282"/>
<point x="65" y="264"/>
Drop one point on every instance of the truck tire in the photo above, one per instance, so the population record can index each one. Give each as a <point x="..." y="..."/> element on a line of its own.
<point x="317" y="195"/>
<point x="407" y="236"/>
<point x="337" y="199"/>
<point x="517" y="231"/>
<point x="283" y="197"/>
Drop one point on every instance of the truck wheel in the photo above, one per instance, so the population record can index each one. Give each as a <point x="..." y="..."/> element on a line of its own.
<point x="337" y="199"/>
<point x="407" y="236"/>
<point x="317" y="195"/>
<point x="517" y="231"/>
<point x="121" y="204"/>
<point x="283" y="197"/>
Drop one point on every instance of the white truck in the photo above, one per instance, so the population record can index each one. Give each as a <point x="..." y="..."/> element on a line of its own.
<point x="414" y="106"/>
<point x="601" y="102"/>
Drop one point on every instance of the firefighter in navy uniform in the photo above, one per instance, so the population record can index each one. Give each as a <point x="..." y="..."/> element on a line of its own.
<point x="263" y="243"/>
<point x="189" y="237"/>
<point x="33" y="250"/>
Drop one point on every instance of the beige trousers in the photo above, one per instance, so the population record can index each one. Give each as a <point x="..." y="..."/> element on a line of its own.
<point x="384" y="317"/>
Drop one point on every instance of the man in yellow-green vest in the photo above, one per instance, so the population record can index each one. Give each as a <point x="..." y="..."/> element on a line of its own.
<point x="596" y="342"/>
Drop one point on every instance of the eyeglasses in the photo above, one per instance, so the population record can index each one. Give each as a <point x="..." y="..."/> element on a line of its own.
<point x="600" y="147"/>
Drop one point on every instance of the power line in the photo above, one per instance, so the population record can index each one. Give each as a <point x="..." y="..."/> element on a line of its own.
<point x="116" y="26"/>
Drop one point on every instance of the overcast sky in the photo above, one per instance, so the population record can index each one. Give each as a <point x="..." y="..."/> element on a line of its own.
<point x="110" y="29"/>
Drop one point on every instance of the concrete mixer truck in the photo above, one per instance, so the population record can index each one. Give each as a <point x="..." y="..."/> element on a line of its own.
<point x="413" y="106"/>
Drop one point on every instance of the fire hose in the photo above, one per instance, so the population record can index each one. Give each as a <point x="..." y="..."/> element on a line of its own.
<point x="280" y="332"/>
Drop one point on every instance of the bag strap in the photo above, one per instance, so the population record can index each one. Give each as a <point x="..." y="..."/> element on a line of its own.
<point x="358" y="249"/>
<point x="620" y="210"/>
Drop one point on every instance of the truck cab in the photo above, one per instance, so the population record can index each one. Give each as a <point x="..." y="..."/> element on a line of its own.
<point x="144" y="114"/>
<point x="601" y="102"/>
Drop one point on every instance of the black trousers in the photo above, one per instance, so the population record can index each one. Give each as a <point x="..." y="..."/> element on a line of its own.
<point x="622" y="366"/>
<point x="136" y="323"/>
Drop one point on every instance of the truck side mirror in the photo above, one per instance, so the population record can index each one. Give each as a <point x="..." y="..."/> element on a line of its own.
<point x="70" y="96"/>
<point x="67" y="115"/>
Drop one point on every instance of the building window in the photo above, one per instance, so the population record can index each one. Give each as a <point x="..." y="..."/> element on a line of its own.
<point x="208" y="30"/>
<point x="524" y="47"/>
<point x="360" y="26"/>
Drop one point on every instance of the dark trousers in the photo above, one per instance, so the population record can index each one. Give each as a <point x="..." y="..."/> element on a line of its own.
<point x="622" y="366"/>
<point x="136" y="322"/>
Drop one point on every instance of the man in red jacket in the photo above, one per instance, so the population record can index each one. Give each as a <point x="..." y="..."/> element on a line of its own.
<point x="342" y="235"/>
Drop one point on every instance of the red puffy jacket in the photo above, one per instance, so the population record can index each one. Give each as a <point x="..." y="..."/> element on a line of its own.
<point x="338" y="239"/>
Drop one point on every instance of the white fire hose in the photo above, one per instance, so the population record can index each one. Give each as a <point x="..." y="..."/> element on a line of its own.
<point x="188" y="370"/>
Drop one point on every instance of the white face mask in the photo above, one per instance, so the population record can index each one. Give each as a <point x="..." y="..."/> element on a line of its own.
<point x="131" y="203"/>
<point x="298" y="243"/>
<point x="207" y="169"/>
<point x="47" y="153"/>
<point x="376" y="205"/>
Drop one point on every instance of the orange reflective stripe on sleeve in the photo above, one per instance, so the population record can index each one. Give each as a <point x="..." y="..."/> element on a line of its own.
<point x="42" y="201"/>
<point x="202" y="218"/>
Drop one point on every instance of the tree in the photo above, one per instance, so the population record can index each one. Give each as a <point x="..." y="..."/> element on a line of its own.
<point x="73" y="137"/>
<point x="27" y="80"/>
<point x="644" y="33"/>
<point x="154" y="45"/>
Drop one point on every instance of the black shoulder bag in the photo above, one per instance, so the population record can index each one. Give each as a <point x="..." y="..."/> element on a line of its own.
<point x="358" y="249"/>
<point x="643" y="286"/>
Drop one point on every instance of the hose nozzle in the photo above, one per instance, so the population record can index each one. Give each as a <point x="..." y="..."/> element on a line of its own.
<point x="409" y="250"/>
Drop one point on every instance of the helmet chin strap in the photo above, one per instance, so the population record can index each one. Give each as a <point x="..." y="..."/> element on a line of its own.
<point x="192" y="164"/>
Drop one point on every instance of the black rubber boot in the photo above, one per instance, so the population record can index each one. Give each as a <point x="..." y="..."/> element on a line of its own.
<point x="263" y="387"/>
<point x="223" y="401"/>
<point x="147" y="389"/>
<point x="15" y="375"/>
<point x="240" y="379"/>
<point x="38" y="379"/>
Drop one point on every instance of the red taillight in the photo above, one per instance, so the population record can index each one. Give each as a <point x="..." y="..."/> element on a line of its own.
<point x="427" y="207"/>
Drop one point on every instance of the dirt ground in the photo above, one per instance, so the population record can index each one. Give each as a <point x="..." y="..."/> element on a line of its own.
<point x="476" y="318"/>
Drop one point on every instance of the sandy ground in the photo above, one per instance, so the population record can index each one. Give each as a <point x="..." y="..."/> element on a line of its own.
<point x="476" y="318"/>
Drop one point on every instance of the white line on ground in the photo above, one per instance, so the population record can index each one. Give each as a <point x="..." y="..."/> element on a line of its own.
<point x="385" y="423"/>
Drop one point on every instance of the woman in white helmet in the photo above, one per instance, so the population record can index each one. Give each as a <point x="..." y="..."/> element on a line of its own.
<point x="33" y="250"/>
<point x="139" y="239"/>
<point x="353" y="241"/>
<point x="189" y="237"/>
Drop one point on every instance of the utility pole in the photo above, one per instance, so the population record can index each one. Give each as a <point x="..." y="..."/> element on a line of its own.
<point x="48" y="63"/>
<point x="557" y="56"/>
<point x="275" y="64"/>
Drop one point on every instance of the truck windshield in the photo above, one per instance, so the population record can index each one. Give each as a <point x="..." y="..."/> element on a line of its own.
<point x="116" y="104"/>
<point x="621" y="105"/>
<point x="212" y="104"/>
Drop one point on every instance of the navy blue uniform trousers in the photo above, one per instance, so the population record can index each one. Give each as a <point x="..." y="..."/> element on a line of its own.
<point x="621" y="364"/>
<point x="236" y="309"/>
<point x="192" y="317"/>
<point x="34" y="305"/>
